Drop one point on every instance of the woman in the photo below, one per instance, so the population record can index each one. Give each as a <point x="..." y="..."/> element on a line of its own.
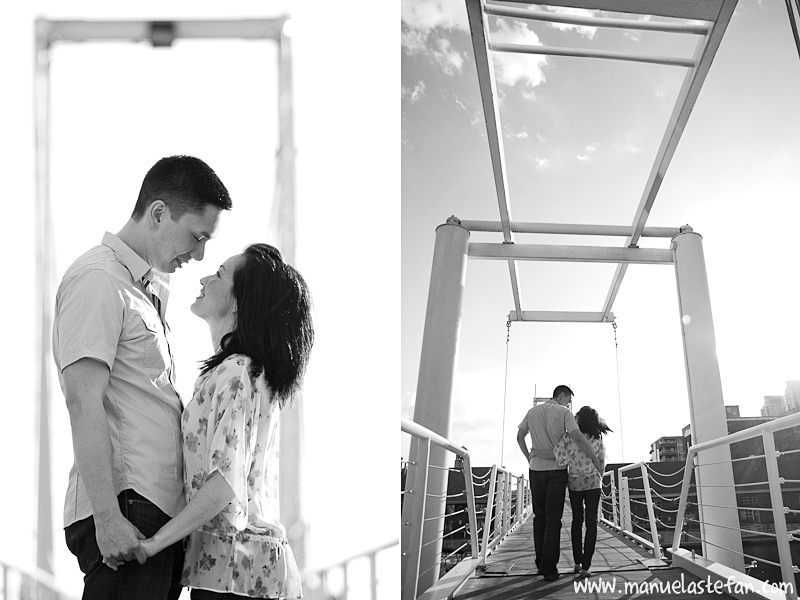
<point x="258" y="310"/>
<point x="584" y="483"/>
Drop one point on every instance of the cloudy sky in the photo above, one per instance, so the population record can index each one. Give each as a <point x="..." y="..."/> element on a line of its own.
<point x="116" y="109"/>
<point x="580" y="138"/>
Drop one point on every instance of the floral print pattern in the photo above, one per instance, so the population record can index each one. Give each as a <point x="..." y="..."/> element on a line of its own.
<point x="581" y="472"/>
<point x="230" y="427"/>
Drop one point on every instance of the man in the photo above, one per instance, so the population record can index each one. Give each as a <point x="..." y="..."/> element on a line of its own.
<point x="546" y="423"/>
<point x="116" y="372"/>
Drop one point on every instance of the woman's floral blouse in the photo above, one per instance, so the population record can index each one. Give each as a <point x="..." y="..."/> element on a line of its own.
<point x="581" y="472"/>
<point x="229" y="426"/>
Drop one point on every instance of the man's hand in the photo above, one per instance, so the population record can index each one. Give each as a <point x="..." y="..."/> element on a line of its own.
<point x="118" y="540"/>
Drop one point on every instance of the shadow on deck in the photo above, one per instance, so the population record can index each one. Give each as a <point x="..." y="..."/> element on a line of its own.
<point x="511" y="573"/>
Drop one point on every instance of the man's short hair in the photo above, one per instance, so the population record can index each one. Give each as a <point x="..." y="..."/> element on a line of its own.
<point x="562" y="389"/>
<point x="185" y="184"/>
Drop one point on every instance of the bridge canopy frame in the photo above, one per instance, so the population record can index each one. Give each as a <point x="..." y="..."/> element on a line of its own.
<point x="159" y="33"/>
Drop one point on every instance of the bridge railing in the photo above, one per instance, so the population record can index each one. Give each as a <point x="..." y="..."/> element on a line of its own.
<point x="507" y="500"/>
<point x="336" y="581"/>
<point x="21" y="584"/>
<point x="774" y="456"/>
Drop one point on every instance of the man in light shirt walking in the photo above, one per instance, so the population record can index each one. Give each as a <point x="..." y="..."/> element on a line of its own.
<point x="546" y="423"/>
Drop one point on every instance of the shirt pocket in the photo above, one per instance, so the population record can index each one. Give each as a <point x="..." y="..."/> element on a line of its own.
<point x="156" y="352"/>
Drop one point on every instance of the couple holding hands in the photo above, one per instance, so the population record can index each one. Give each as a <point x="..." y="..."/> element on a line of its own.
<point x="164" y="494"/>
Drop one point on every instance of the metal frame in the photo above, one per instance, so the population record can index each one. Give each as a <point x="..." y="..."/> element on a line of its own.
<point x="716" y="12"/>
<point x="159" y="34"/>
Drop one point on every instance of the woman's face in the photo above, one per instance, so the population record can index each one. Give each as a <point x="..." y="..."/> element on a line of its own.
<point x="216" y="295"/>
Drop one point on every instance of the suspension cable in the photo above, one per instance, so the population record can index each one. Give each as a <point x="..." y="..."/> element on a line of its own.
<point x="505" y="390"/>
<point x="619" y="395"/>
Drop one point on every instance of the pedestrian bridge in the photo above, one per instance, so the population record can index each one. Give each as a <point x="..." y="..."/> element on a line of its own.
<point x="653" y="534"/>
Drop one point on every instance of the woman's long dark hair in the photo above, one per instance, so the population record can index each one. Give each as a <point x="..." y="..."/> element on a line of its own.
<point x="590" y="422"/>
<point x="273" y="321"/>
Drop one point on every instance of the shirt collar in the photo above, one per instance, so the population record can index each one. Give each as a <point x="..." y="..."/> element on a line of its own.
<point x="136" y="265"/>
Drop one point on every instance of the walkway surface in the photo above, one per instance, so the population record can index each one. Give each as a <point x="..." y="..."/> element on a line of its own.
<point x="511" y="573"/>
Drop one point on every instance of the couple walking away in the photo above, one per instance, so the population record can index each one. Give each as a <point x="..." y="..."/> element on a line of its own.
<point x="547" y="423"/>
<point x="161" y="494"/>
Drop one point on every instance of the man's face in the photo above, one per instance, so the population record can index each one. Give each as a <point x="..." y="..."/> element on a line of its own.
<point x="178" y="241"/>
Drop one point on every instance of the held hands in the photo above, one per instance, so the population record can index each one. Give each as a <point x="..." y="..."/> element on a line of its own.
<point x="118" y="540"/>
<point x="147" y="548"/>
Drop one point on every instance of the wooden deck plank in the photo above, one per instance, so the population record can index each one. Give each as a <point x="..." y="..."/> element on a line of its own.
<point x="616" y="559"/>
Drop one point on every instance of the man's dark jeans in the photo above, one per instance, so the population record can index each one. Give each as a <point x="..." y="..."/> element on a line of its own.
<point x="590" y="499"/>
<point x="157" y="579"/>
<point x="549" y="489"/>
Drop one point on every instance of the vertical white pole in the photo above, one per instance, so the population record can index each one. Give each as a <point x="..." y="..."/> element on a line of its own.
<point x="292" y="433"/>
<point x="412" y="520"/>
<point x="776" y="498"/>
<point x="706" y="405"/>
<point x="44" y="276"/>
<point x="651" y="512"/>
<point x="436" y="376"/>
<point x="614" y="514"/>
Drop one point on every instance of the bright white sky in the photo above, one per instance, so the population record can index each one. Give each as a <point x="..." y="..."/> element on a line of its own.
<point x="116" y="109"/>
<point x="580" y="137"/>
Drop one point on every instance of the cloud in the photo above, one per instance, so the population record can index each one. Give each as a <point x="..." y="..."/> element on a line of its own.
<point x="414" y="95"/>
<point x="582" y="30"/>
<point x="589" y="151"/>
<point x="512" y="68"/>
<point x="448" y="59"/>
<point x="426" y="15"/>
<point x="541" y="163"/>
<point x="519" y="135"/>
<point x="422" y="19"/>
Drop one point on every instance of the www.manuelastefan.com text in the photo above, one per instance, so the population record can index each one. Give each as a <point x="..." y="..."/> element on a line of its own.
<point x="677" y="587"/>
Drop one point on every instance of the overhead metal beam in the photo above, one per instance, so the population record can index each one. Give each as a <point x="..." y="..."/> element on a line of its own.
<point x="83" y="31"/>
<point x="585" y="53"/>
<point x="590" y="254"/>
<point x="704" y="10"/>
<point x="561" y="317"/>
<point x="568" y="19"/>
<point x="704" y="55"/>
<point x="571" y="229"/>
<point x="488" y="88"/>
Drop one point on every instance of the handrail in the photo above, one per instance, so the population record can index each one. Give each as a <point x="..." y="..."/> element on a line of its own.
<point x="317" y="580"/>
<point x="18" y="582"/>
<point x="502" y="514"/>
<point x="767" y="432"/>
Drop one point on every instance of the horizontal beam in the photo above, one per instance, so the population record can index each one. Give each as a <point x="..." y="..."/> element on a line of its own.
<point x="555" y="17"/>
<point x="590" y="254"/>
<point x="571" y="229"/>
<point x="584" y="53"/>
<point x="704" y="10"/>
<point x="123" y="30"/>
<point x="561" y="317"/>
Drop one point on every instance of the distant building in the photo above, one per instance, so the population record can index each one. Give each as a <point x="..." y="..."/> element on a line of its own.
<point x="668" y="449"/>
<point x="774" y="406"/>
<point x="792" y="395"/>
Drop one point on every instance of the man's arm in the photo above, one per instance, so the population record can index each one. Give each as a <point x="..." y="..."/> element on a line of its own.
<point x="522" y="444"/>
<point x="584" y="445"/>
<point x="86" y="381"/>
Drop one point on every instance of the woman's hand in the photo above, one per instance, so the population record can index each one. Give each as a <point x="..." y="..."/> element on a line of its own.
<point x="151" y="547"/>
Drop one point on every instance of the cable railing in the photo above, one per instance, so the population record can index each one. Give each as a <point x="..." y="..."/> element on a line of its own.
<point x="493" y="502"/>
<point x="336" y="581"/>
<point x="22" y="584"/>
<point x="775" y="445"/>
